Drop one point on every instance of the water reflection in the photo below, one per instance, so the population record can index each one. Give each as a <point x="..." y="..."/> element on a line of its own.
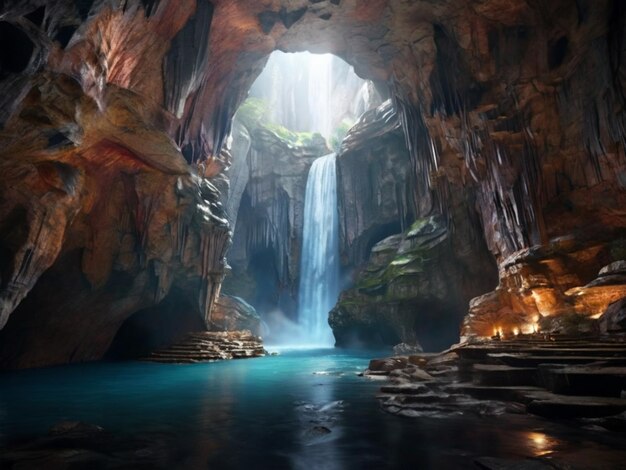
<point x="303" y="410"/>
<point x="541" y="444"/>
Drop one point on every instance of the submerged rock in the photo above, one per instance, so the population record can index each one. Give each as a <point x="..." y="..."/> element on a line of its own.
<point x="318" y="431"/>
<point x="74" y="428"/>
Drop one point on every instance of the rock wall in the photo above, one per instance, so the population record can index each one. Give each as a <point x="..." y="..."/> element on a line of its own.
<point x="265" y="255"/>
<point x="97" y="231"/>
<point x="114" y="114"/>
<point x="411" y="279"/>
<point x="101" y="215"/>
<point x="374" y="184"/>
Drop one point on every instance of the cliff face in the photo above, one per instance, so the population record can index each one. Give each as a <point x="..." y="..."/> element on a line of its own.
<point x="100" y="220"/>
<point x="413" y="290"/>
<point x="102" y="216"/>
<point x="412" y="286"/>
<point x="114" y="115"/>
<point x="265" y="255"/>
<point x="374" y="184"/>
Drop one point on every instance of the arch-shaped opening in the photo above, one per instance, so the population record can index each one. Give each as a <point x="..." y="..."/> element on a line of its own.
<point x="300" y="95"/>
<point x="156" y="327"/>
<point x="298" y="110"/>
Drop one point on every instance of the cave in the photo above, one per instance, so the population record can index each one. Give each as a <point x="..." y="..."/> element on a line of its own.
<point x="312" y="234"/>
<point x="154" y="328"/>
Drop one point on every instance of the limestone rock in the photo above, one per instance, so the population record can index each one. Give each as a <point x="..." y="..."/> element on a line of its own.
<point x="374" y="187"/>
<point x="407" y="349"/>
<point x="233" y="313"/>
<point x="406" y="293"/>
<point x="265" y="255"/>
<point x="114" y="115"/>
<point x="613" y="320"/>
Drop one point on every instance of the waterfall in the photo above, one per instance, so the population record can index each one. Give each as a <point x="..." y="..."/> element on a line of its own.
<point x="319" y="272"/>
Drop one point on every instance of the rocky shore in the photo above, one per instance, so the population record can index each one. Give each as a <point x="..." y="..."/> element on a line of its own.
<point x="553" y="376"/>
<point x="211" y="346"/>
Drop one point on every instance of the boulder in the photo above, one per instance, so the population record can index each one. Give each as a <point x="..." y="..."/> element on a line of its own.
<point x="613" y="320"/>
<point x="388" y="364"/>
<point x="407" y="349"/>
<point x="232" y="314"/>
<point x="571" y="324"/>
<point x="407" y="291"/>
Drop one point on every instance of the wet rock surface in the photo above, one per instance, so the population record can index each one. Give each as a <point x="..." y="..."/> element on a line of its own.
<point x="556" y="377"/>
<point x="234" y="314"/>
<point x="409" y="292"/>
<point x="513" y="114"/>
<point x="211" y="346"/>
<point x="265" y="255"/>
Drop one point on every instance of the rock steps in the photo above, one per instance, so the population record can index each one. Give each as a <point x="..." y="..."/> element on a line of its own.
<point x="209" y="346"/>
<point x="569" y="378"/>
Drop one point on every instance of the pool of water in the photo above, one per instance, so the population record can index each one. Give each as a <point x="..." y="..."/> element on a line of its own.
<point x="272" y="412"/>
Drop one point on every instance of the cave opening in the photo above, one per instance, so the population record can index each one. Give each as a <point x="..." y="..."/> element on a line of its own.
<point x="156" y="327"/>
<point x="470" y="192"/>
<point x="299" y="110"/>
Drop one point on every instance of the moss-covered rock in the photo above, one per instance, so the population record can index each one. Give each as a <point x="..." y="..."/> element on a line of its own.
<point x="406" y="292"/>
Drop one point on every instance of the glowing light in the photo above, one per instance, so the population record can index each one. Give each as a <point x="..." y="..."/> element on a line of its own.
<point x="536" y="319"/>
<point x="516" y="331"/>
<point x="541" y="444"/>
<point x="535" y="327"/>
<point x="538" y="439"/>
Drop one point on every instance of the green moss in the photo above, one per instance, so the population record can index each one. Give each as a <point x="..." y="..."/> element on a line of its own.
<point x="252" y="112"/>
<point x="294" y="138"/>
<point x="417" y="226"/>
<point x="339" y="134"/>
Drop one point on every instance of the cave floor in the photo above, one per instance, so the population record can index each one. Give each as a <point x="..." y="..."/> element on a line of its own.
<point x="305" y="409"/>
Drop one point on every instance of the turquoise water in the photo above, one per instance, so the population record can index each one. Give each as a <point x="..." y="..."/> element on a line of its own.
<point x="263" y="413"/>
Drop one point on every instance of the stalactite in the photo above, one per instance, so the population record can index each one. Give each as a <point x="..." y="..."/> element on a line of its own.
<point x="186" y="61"/>
<point x="420" y="147"/>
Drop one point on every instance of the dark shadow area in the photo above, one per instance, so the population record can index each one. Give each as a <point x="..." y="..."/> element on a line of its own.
<point x="16" y="50"/>
<point x="437" y="325"/>
<point x="37" y="16"/>
<point x="557" y="51"/>
<point x="262" y="267"/>
<point x="156" y="327"/>
<point x="14" y="233"/>
<point x="380" y="232"/>
<point x="65" y="34"/>
<point x="434" y="325"/>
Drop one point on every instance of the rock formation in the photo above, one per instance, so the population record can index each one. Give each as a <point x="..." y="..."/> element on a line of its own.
<point x="234" y="314"/>
<point x="374" y="184"/>
<point x="413" y="290"/>
<point x="265" y="256"/>
<point x="114" y="115"/>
